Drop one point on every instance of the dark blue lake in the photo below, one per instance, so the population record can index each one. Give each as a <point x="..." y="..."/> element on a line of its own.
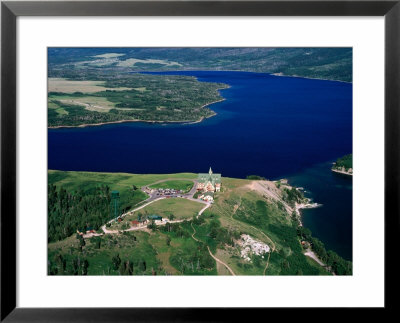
<point x="268" y="125"/>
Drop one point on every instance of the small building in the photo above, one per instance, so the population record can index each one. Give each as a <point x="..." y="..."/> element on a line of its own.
<point x="135" y="223"/>
<point x="209" y="182"/>
<point x="207" y="196"/>
<point x="85" y="230"/>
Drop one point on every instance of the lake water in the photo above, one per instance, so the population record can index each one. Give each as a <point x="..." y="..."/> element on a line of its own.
<point x="268" y="125"/>
<point x="331" y="223"/>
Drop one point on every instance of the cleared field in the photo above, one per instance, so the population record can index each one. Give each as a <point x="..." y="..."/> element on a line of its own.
<point x="54" y="106"/>
<point x="66" y="86"/>
<point x="116" y="181"/>
<point x="61" y="111"/>
<point x="183" y="185"/>
<point x="140" y="89"/>
<point x="179" y="207"/>
<point x="109" y="55"/>
<point x="91" y="103"/>
<point x="132" y="61"/>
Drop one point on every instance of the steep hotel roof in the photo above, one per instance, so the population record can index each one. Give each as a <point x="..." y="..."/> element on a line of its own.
<point x="209" y="177"/>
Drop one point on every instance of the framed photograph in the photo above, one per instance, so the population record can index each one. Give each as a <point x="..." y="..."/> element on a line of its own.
<point x="183" y="155"/>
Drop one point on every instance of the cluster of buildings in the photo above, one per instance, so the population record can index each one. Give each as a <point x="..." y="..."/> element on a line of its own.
<point x="251" y="246"/>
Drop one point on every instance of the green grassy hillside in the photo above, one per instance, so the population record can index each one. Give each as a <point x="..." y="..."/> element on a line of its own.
<point x="259" y="209"/>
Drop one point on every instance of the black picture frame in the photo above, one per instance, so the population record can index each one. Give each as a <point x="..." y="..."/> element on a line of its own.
<point x="10" y="10"/>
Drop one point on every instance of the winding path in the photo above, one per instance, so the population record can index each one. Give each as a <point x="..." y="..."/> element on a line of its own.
<point x="209" y="251"/>
<point x="221" y="262"/>
<point x="273" y="247"/>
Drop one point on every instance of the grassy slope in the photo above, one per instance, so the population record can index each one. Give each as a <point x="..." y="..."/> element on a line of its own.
<point x="252" y="206"/>
<point x="179" y="207"/>
<point x="100" y="259"/>
<point x="236" y="208"/>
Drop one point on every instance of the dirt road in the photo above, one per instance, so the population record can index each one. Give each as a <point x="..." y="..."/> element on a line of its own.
<point x="311" y="254"/>
<point x="209" y="251"/>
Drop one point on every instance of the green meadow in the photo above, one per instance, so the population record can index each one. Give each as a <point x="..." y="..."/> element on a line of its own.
<point x="184" y="186"/>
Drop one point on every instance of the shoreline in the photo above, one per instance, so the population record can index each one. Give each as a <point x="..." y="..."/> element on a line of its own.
<point x="309" y="252"/>
<point x="301" y="206"/>
<point x="203" y="118"/>
<point x="310" y="78"/>
<point x="341" y="172"/>
<point x="307" y="203"/>
<point x="145" y="121"/>
<point x="244" y="71"/>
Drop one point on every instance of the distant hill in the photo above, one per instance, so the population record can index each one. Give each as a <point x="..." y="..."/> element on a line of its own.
<point x="324" y="63"/>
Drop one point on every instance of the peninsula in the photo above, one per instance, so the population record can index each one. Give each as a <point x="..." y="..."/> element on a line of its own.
<point x="130" y="98"/>
<point x="180" y="224"/>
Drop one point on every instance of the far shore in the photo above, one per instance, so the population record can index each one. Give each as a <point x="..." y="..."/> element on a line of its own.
<point x="311" y="78"/>
<point x="257" y="72"/>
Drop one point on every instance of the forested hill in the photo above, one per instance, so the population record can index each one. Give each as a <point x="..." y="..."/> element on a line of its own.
<point x="324" y="63"/>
